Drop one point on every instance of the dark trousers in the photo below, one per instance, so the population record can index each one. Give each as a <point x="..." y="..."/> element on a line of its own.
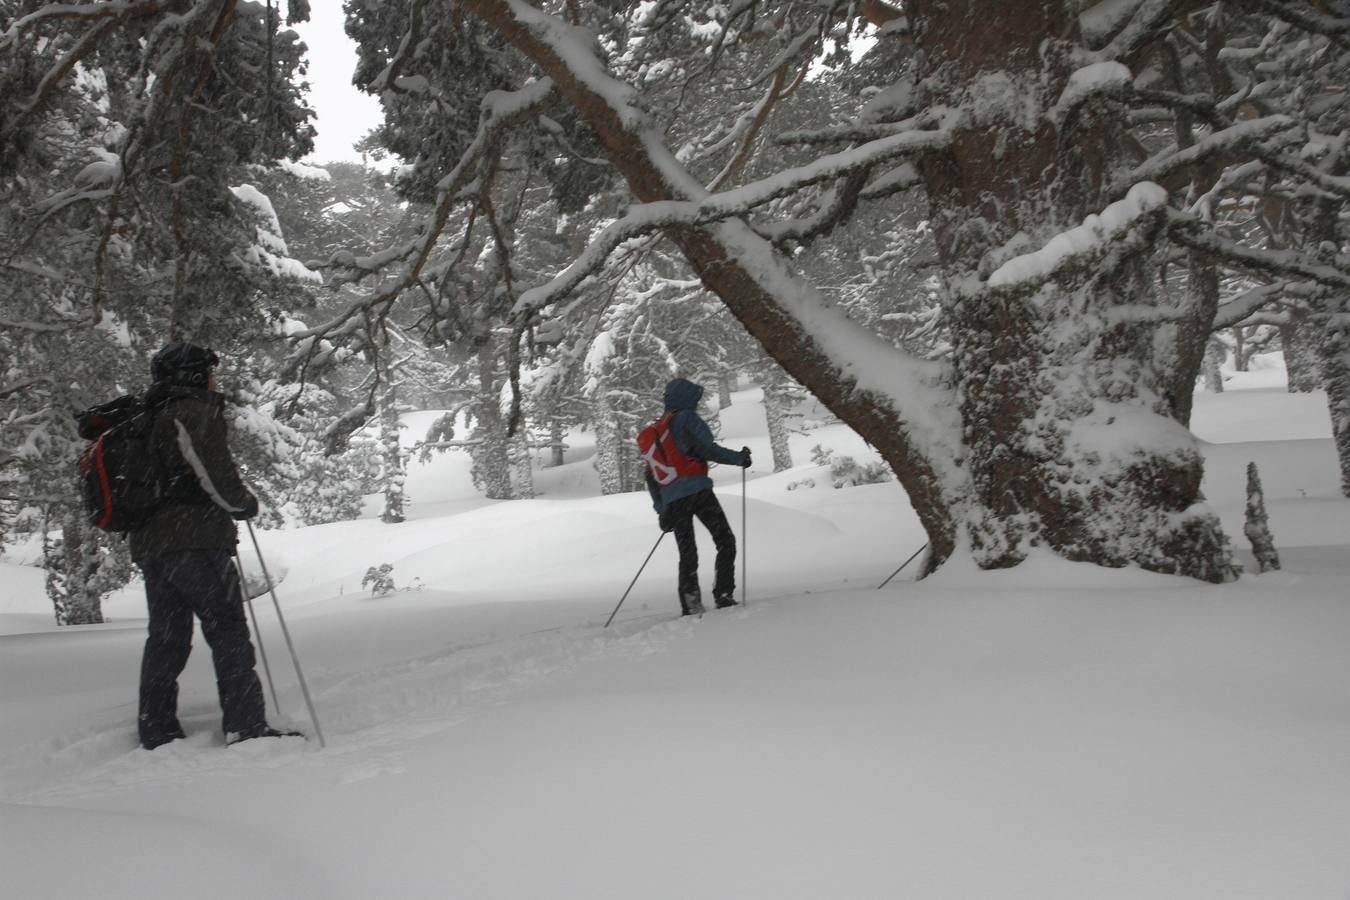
<point x="706" y="509"/>
<point x="177" y="586"/>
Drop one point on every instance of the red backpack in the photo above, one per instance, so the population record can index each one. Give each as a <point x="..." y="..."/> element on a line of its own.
<point x="663" y="457"/>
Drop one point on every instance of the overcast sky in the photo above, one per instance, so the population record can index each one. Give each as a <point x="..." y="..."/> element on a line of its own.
<point x="345" y="114"/>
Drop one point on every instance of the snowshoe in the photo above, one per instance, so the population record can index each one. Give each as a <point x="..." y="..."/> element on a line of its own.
<point x="259" y="731"/>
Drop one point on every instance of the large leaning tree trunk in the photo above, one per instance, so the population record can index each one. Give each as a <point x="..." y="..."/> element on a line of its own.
<point x="1073" y="416"/>
<point x="1055" y="425"/>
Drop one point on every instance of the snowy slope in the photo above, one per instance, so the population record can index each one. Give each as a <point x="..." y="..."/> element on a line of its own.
<point x="1059" y="731"/>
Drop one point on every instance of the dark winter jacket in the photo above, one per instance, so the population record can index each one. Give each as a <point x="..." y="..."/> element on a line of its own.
<point x="694" y="438"/>
<point x="203" y="493"/>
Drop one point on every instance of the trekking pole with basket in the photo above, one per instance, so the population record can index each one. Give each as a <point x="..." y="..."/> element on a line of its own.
<point x="902" y="566"/>
<point x="635" y="578"/>
<point x="745" y="549"/>
<point x="257" y="633"/>
<point x="285" y="632"/>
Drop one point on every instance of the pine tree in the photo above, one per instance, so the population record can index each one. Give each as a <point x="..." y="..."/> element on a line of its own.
<point x="1257" y="527"/>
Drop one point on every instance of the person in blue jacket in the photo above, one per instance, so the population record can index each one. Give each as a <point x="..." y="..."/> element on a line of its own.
<point x="689" y="495"/>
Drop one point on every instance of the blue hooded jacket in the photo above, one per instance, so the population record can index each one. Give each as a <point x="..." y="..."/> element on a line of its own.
<point x="694" y="438"/>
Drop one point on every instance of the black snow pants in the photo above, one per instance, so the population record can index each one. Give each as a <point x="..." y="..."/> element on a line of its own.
<point x="177" y="586"/>
<point x="705" y="506"/>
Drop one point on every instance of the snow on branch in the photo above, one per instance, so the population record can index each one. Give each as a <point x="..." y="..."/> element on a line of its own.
<point x="1192" y="232"/>
<point x="118" y="10"/>
<point x="500" y="111"/>
<point x="901" y="178"/>
<point x="1237" y="135"/>
<point x="857" y="131"/>
<point x="1243" y="306"/>
<point x="36" y="327"/>
<point x="1300" y="15"/>
<point x="1332" y="184"/>
<point x="837" y="204"/>
<point x="1100" y="21"/>
<point x="1096" y="79"/>
<point x="647" y="217"/>
<point x="1096" y="234"/>
<point x="1147" y="19"/>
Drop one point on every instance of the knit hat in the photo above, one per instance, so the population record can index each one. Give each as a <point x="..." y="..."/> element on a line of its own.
<point x="182" y="363"/>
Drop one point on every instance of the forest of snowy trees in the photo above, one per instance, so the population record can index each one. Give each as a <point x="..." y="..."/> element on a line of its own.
<point x="1004" y="248"/>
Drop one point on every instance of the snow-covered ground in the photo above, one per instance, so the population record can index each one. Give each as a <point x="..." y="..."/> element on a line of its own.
<point x="1057" y="731"/>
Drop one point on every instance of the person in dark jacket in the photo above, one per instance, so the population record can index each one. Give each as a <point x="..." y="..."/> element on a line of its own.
<point x="689" y="495"/>
<point x="185" y="553"/>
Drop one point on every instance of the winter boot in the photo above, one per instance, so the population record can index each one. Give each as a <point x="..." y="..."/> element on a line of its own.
<point x="691" y="604"/>
<point x="151" y="741"/>
<point x="258" y="731"/>
<point x="725" y="600"/>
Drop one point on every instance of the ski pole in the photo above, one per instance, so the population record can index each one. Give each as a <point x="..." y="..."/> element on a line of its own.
<point x="253" y="617"/>
<point x="902" y="566"/>
<point x="745" y="548"/>
<point x="635" y="578"/>
<point x="285" y="632"/>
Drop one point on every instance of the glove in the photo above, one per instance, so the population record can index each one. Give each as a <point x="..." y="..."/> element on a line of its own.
<point x="666" y="521"/>
<point x="249" y="511"/>
<point x="745" y="454"/>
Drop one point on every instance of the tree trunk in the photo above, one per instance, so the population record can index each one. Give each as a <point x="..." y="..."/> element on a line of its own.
<point x="1336" y="380"/>
<point x="1193" y="335"/>
<point x="557" y="454"/>
<point x="726" y="383"/>
<point x="72" y="565"/>
<point x="1300" y="337"/>
<point x="492" y="464"/>
<point x="776" y="414"/>
<point x="607" y="446"/>
<point x="522" y="466"/>
<point x="392" y="473"/>
<point x="1073" y="426"/>
<point x="1241" y="354"/>
<point x="1331" y="317"/>
<point x="1214" y="358"/>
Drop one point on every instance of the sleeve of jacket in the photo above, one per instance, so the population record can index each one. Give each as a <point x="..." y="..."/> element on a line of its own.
<point x="696" y="439"/>
<point x="203" y="440"/>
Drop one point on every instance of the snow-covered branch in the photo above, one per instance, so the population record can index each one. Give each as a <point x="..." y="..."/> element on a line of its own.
<point x="1302" y="16"/>
<point x="1108" y="78"/>
<point x="1191" y="232"/>
<point x="501" y="110"/>
<point x="647" y="217"/>
<point x="117" y="10"/>
<point x="842" y="134"/>
<point x="1239" y="135"/>
<point x="37" y="327"/>
<point x="1095" y="236"/>
<point x="1243" y="306"/>
<point x="9" y="389"/>
<point x="1149" y="17"/>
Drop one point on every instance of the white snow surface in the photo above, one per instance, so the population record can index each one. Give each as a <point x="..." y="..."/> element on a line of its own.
<point x="1053" y="731"/>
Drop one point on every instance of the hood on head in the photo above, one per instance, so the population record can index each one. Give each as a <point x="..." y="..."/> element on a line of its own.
<point x="183" y="364"/>
<point x="682" y="394"/>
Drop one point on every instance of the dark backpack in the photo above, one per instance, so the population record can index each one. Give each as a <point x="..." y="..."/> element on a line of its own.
<point x="119" y="476"/>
